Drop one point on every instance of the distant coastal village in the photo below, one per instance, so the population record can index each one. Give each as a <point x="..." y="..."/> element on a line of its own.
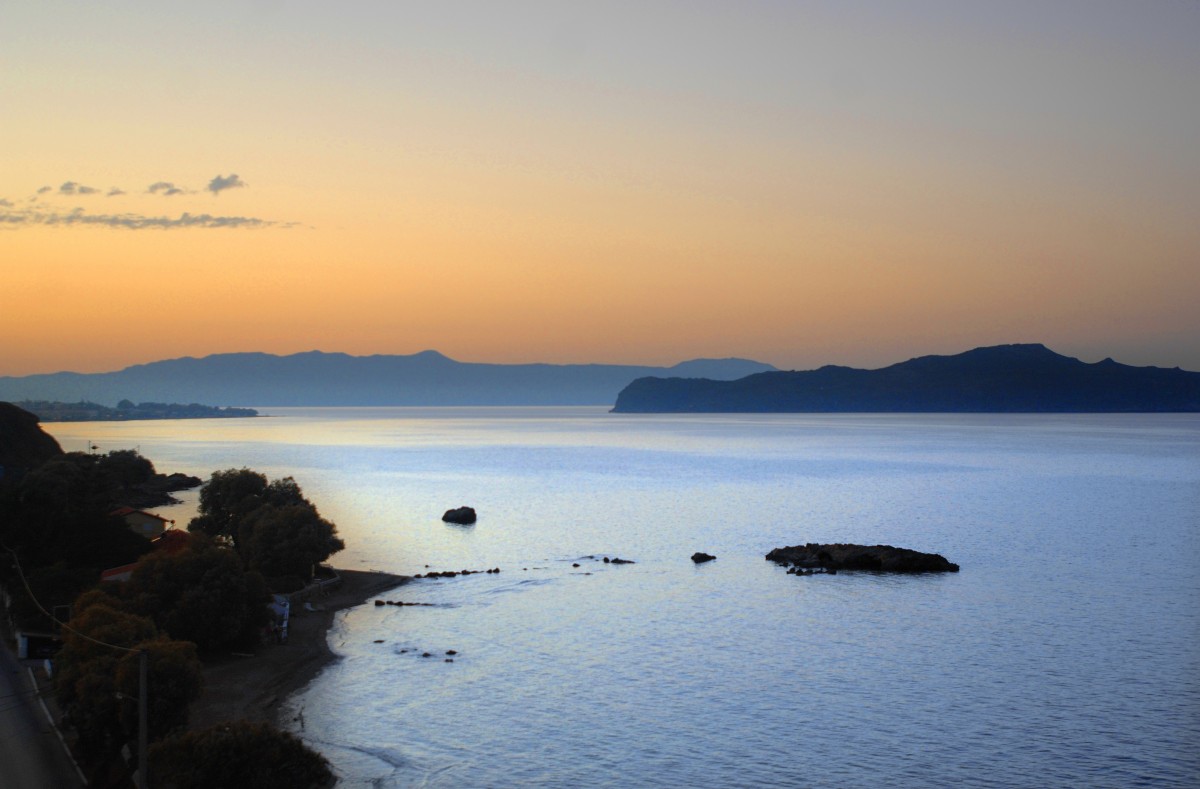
<point x="106" y="603"/>
<point x="126" y="410"/>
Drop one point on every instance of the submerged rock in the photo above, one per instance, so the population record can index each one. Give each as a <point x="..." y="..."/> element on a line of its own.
<point x="846" y="556"/>
<point x="460" y="515"/>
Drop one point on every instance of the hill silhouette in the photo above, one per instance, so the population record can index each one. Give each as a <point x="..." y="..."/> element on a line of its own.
<point x="337" y="379"/>
<point x="23" y="443"/>
<point x="1004" y="378"/>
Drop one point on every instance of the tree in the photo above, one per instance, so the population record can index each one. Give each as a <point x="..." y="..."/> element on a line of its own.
<point x="84" y="677"/>
<point x="274" y="528"/>
<point x="174" y="680"/>
<point x="96" y="677"/>
<point x="125" y="467"/>
<point x="201" y="594"/>
<point x="225" y="499"/>
<point x="54" y="588"/>
<point x="239" y="753"/>
<point x="287" y="541"/>
<point x="59" y="512"/>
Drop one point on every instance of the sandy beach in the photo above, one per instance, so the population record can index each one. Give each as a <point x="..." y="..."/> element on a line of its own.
<point x="253" y="687"/>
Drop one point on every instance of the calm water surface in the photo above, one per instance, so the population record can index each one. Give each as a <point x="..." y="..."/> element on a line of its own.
<point x="1064" y="654"/>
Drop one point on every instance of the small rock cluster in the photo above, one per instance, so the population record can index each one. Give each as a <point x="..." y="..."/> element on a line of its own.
<point x="448" y="652"/>
<point x="606" y="560"/>
<point x="453" y="573"/>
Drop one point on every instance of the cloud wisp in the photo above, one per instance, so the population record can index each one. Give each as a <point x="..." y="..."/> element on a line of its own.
<point x="40" y="213"/>
<point x="220" y="183"/>
<point x="76" y="188"/>
<point x="80" y="218"/>
<point x="165" y="188"/>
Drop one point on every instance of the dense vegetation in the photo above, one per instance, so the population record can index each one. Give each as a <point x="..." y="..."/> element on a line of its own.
<point x="199" y="598"/>
<point x="57" y="519"/>
<point x="96" y="676"/>
<point x="237" y="754"/>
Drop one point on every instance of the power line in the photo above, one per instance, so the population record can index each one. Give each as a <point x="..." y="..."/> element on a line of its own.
<point x="63" y="625"/>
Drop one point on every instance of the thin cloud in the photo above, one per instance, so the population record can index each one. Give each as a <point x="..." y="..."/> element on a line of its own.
<point x="45" y="189"/>
<point x="220" y="183"/>
<point x="164" y="188"/>
<point x="114" y="192"/>
<point x="5" y="203"/>
<point x="80" y="218"/>
<point x="76" y="188"/>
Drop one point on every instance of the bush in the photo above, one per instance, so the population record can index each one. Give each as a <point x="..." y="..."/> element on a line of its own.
<point x="240" y="753"/>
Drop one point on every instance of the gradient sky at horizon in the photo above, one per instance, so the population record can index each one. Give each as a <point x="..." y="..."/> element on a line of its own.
<point x="800" y="183"/>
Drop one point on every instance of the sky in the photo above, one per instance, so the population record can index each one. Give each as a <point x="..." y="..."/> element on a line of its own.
<point x="643" y="182"/>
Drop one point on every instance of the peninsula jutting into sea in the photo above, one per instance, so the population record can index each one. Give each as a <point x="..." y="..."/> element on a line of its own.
<point x="999" y="379"/>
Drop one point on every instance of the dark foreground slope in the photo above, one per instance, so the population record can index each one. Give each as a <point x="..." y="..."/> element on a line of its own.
<point x="23" y="443"/>
<point x="338" y="379"/>
<point x="998" y="379"/>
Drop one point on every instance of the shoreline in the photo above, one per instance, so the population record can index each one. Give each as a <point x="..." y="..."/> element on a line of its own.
<point x="254" y="687"/>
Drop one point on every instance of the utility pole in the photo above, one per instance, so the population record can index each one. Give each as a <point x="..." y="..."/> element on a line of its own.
<point x="143" y="691"/>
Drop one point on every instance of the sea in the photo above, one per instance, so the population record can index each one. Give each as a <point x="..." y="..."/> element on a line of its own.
<point x="1065" y="653"/>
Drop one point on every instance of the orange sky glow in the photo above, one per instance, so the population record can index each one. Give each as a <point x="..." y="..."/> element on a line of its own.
<point x="634" y="183"/>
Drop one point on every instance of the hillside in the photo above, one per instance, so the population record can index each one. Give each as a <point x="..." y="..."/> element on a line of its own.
<point x="997" y="379"/>
<point x="23" y="443"/>
<point x="337" y="379"/>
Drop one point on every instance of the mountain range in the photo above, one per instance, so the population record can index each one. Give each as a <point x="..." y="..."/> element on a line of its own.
<point x="337" y="379"/>
<point x="1004" y="378"/>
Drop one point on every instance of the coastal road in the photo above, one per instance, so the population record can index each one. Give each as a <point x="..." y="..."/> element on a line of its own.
<point x="31" y="756"/>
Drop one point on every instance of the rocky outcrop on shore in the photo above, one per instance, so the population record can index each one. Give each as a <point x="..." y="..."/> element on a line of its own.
<point x="156" y="491"/>
<point x="846" y="556"/>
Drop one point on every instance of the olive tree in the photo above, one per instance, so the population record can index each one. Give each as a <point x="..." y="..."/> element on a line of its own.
<point x="273" y="527"/>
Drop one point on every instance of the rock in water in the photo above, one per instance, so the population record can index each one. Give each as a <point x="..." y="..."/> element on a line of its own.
<point x="462" y="515"/>
<point x="700" y="558"/>
<point x="844" y="556"/>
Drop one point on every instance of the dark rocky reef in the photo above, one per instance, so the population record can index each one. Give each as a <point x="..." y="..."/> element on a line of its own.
<point x="23" y="443"/>
<point x="454" y="573"/>
<point x="461" y="515"/>
<point x="844" y="556"/>
<point x="1000" y="379"/>
<point x="156" y="491"/>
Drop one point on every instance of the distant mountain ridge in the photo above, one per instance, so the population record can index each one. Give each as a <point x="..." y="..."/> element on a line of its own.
<point x="316" y="378"/>
<point x="1026" y="378"/>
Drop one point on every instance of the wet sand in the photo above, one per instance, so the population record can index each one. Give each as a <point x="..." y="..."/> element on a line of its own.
<point x="253" y="687"/>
